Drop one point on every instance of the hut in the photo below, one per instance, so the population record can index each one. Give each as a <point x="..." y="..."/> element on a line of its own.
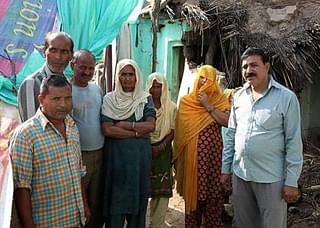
<point x="172" y="32"/>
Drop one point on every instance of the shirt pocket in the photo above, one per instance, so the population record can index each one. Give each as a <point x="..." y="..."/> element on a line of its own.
<point x="268" y="119"/>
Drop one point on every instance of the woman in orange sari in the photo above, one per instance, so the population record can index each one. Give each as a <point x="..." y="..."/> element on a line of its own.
<point x="198" y="149"/>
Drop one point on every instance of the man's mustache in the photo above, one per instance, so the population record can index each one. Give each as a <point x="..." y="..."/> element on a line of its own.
<point x="63" y="110"/>
<point x="251" y="75"/>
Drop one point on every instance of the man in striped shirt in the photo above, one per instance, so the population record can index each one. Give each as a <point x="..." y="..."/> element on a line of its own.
<point x="58" y="51"/>
<point x="47" y="166"/>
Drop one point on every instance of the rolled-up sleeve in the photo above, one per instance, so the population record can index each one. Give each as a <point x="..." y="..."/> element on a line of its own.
<point x="293" y="143"/>
<point x="228" y="148"/>
<point x="21" y="155"/>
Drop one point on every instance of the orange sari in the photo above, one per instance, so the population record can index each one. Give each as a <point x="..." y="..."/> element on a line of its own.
<point x="191" y="119"/>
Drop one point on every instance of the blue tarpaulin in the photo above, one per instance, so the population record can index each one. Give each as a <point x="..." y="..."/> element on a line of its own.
<point x="23" y="25"/>
<point x="93" y="24"/>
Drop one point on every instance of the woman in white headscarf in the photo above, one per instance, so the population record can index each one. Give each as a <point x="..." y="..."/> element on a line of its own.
<point x="161" y="140"/>
<point x="128" y="118"/>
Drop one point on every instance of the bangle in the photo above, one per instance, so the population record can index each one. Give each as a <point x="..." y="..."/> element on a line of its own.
<point x="133" y="125"/>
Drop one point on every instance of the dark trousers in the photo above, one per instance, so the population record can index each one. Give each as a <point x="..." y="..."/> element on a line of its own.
<point x="94" y="183"/>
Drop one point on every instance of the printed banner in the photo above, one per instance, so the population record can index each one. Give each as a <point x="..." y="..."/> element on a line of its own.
<point x="23" y="26"/>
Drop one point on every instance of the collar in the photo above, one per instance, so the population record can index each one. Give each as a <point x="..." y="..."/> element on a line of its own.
<point x="272" y="83"/>
<point x="49" y="72"/>
<point x="44" y="120"/>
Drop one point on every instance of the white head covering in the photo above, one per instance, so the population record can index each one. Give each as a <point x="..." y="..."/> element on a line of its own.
<point x="120" y="105"/>
<point x="166" y="113"/>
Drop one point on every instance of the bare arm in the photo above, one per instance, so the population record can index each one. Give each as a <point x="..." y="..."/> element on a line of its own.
<point x="141" y="128"/>
<point x="157" y="149"/>
<point x="113" y="131"/>
<point x="221" y="117"/>
<point x="24" y="207"/>
<point x="225" y="180"/>
<point x="168" y="139"/>
<point x="125" y="129"/>
<point x="85" y="201"/>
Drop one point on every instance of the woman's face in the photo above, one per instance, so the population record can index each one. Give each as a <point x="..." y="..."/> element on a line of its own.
<point x="202" y="81"/>
<point x="156" y="90"/>
<point x="128" y="78"/>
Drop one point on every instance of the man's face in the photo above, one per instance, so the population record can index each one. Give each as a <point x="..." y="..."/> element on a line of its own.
<point x="255" y="72"/>
<point x="57" y="103"/>
<point x="127" y="78"/>
<point x="156" y="90"/>
<point x="83" y="69"/>
<point x="58" y="53"/>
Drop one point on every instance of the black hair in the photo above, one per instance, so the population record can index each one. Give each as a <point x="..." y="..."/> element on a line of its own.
<point x="255" y="51"/>
<point x="55" y="81"/>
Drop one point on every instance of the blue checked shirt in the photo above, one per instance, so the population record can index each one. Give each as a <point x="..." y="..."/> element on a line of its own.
<point x="263" y="142"/>
<point x="50" y="166"/>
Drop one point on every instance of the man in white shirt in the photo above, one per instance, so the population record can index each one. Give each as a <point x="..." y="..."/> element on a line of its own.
<point x="87" y="101"/>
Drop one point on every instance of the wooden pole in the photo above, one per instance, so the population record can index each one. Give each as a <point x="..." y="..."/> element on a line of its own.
<point x="109" y="68"/>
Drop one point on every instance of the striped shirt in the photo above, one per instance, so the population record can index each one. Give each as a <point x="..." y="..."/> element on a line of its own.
<point x="28" y="93"/>
<point x="50" y="166"/>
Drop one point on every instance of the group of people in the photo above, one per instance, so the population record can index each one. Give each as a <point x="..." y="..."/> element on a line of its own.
<point x="84" y="159"/>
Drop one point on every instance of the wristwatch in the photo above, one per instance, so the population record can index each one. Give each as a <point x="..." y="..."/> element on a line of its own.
<point x="210" y="109"/>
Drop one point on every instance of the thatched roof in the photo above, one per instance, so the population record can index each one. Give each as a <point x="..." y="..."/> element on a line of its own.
<point x="295" y="56"/>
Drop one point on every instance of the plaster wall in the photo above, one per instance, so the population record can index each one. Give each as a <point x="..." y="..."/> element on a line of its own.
<point x="168" y="38"/>
<point x="310" y="109"/>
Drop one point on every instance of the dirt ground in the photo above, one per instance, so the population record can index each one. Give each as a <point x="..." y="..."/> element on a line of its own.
<point x="175" y="213"/>
<point x="175" y="216"/>
<point x="306" y="212"/>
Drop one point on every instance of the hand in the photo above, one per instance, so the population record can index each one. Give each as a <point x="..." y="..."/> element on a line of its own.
<point x="138" y="135"/>
<point x="29" y="224"/>
<point x="116" y="123"/>
<point x="203" y="99"/>
<point x="119" y="124"/>
<point x="87" y="212"/>
<point x="290" y="194"/>
<point x="225" y="180"/>
<point x="156" y="151"/>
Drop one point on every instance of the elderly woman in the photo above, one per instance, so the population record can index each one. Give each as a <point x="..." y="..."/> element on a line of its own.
<point x="128" y="118"/>
<point x="198" y="149"/>
<point x="161" y="139"/>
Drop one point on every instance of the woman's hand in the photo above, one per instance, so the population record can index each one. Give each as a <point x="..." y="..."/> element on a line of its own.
<point x="203" y="99"/>
<point x="156" y="151"/>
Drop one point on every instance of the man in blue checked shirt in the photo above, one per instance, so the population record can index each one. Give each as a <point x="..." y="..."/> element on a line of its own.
<point x="263" y="147"/>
